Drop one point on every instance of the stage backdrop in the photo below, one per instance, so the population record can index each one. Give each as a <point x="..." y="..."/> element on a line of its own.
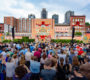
<point x="43" y="29"/>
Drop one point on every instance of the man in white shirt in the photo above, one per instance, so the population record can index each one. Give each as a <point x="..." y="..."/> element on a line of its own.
<point x="28" y="55"/>
<point x="28" y="58"/>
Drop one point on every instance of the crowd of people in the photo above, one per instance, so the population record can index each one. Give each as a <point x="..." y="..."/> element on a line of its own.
<point x="44" y="61"/>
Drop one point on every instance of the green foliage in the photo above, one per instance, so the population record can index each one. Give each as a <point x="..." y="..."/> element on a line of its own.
<point x="6" y="41"/>
<point x="7" y="33"/>
<point x="20" y="40"/>
<point x="25" y="38"/>
<point x="78" y="33"/>
<point x="31" y="40"/>
<point x="87" y="24"/>
<point x="65" y="41"/>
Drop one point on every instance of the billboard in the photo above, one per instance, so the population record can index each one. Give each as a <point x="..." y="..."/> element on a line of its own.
<point x="2" y="37"/>
<point x="86" y="38"/>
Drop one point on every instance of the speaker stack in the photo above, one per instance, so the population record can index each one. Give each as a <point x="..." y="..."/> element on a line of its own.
<point x="13" y="34"/>
<point x="73" y="33"/>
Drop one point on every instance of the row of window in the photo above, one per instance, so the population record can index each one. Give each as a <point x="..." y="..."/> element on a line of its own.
<point x="63" y="35"/>
<point x="61" y="32"/>
<point x="77" y="27"/>
<point x="62" y="28"/>
<point x="23" y="35"/>
<point x="78" y="20"/>
<point x="75" y="23"/>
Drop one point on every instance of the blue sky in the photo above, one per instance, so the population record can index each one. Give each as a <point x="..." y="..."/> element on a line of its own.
<point x="21" y="8"/>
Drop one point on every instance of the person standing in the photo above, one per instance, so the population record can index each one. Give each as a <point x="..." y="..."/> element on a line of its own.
<point x="35" y="68"/>
<point x="47" y="73"/>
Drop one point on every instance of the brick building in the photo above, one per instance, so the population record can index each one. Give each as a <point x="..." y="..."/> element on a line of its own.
<point x="11" y="21"/>
<point x="87" y="29"/>
<point x="1" y="27"/>
<point x="45" y="28"/>
<point x="62" y="30"/>
<point x="78" y="22"/>
<point x="21" y="25"/>
<point x="24" y="25"/>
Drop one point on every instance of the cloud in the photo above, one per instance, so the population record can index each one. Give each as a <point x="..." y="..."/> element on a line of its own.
<point x="17" y="8"/>
<point x="86" y="10"/>
<point x="21" y="8"/>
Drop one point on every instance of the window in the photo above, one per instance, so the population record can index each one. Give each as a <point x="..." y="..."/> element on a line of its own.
<point x="73" y="23"/>
<point x="61" y="34"/>
<point x="75" y="19"/>
<point x="78" y="19"/>
<point x="65" y="32"/>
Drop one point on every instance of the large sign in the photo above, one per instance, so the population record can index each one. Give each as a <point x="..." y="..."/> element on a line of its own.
<point x="42" y="27"/>
<point x="42" y="31"/>
<point x="86" y="38"/>
<point x="2" y="37"/>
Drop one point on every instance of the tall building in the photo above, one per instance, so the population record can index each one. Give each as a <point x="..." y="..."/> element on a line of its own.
<point x="67" y="16"/>
<point x="22" y="25"/>
<point x="56" y="18"/>
<point x="10" y="21"/>
<point x="44" y="14"/>
<point x="31" y="16"/>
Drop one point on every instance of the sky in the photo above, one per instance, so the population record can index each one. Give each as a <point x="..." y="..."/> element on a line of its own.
<point x="21" y="8"/>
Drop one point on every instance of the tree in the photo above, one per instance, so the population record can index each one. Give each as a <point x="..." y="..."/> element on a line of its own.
<point x="7" y="33"/>
<point x="78" y="33"/>
<point x="87" y="24"/>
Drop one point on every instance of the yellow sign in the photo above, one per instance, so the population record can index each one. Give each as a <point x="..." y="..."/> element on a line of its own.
<point x="86" y="38"/>
<point x="42" y="30"/>
<point x="2" y="37"/>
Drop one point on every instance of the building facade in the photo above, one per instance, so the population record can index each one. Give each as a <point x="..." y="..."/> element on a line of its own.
<point x="62" y="30"/>
<point x="24" y="25"/>
<point x="67" y="16"/>
<point x="21" y="25"/>
<point x="87" y="29"/>
<point x="46" y="29"/>
<point x="42" y="29"/>
<point x="56" y="18"/>
<point x="78" y="22"/>
<point x="43" y="14"/>
<point x="1" y="27"/>
<point x="11" y="21"/>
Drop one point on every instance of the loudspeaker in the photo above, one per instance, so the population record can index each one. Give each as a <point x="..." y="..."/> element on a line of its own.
<point x="13" y="33"/>
<point x="73" y="32"/>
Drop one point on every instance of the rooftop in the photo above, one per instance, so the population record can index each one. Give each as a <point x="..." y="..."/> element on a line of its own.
<point x="78" y="16"/>
<point x="62" y="24"/>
